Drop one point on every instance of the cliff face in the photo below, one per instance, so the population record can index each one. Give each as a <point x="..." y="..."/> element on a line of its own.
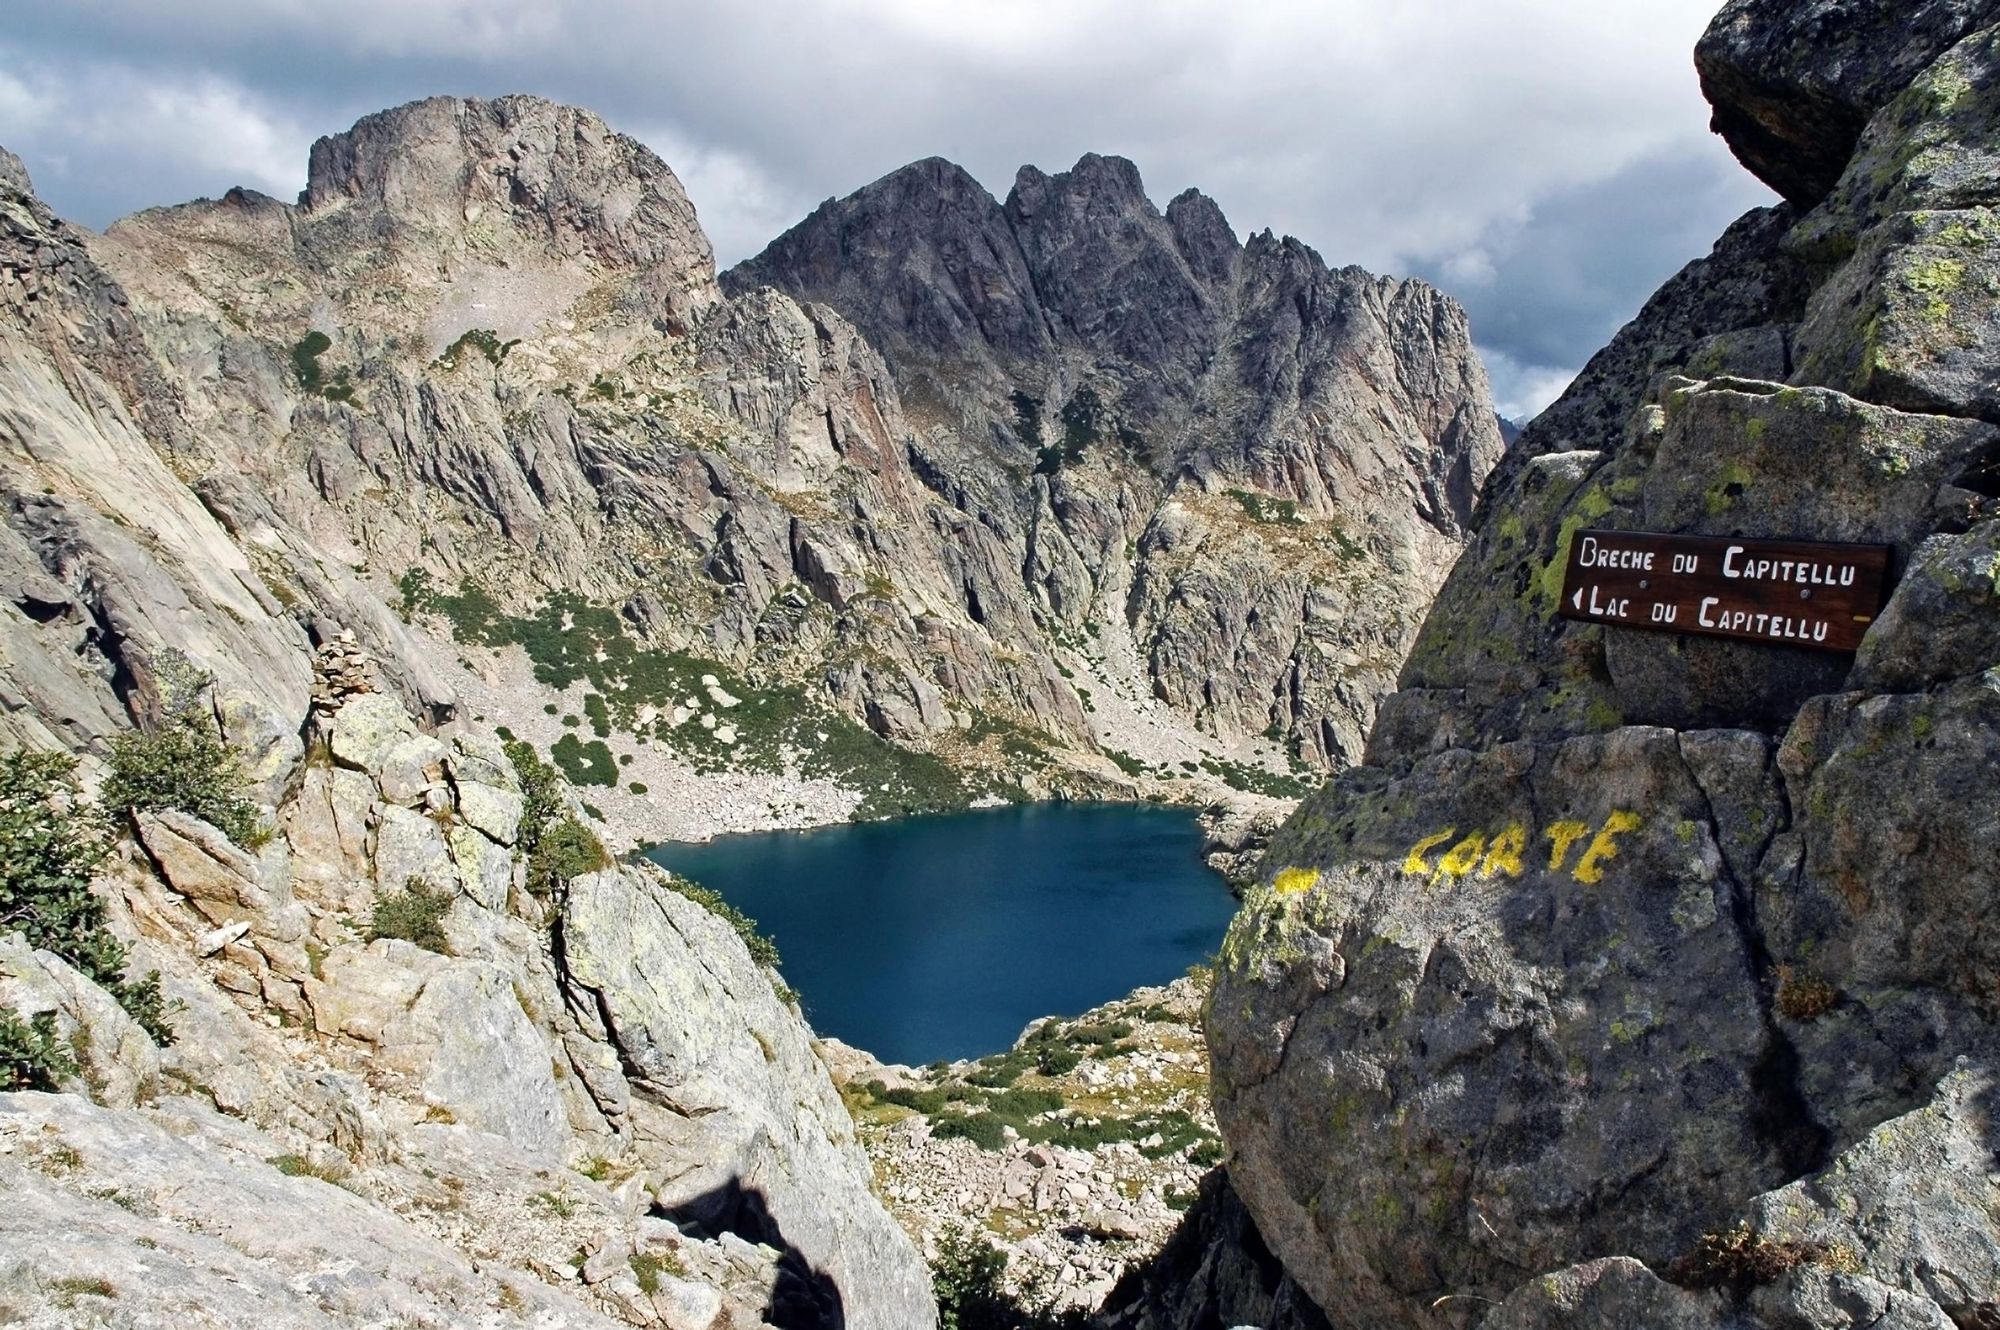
<point x="1630" y="955"/>
<point x="1297" y="449"/>
<point x="591" y="1108"/>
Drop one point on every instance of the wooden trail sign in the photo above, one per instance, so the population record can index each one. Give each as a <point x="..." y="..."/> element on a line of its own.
<point x="1784" y="592"/>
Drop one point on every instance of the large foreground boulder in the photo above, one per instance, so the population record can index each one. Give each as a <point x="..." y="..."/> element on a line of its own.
<point x="1644" y="978"/>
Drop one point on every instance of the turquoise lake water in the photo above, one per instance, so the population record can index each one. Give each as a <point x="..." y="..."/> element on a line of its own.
<point x="940" y="937"/>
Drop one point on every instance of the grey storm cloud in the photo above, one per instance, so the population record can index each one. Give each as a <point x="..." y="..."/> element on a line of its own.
<point x="1545" y="161"/>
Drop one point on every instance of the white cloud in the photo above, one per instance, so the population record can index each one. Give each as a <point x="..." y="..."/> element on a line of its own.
<point x="1434" y="136"/>
<point x="1470" y="267"/>
<point x="93" y="125"/>
<point x="741" y="207"/>
<point x="1522" y="392"/>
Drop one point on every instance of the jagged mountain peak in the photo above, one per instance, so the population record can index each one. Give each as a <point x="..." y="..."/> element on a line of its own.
<point x="1079" y="280"/>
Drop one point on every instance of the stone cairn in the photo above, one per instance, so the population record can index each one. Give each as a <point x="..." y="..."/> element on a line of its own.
<point x="341" y="669"/>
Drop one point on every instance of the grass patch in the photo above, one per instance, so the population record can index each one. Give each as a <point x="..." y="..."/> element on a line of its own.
<point x="772" y="727"/>
<point x="298" y="1166"/>
<point x="414" y="914"/>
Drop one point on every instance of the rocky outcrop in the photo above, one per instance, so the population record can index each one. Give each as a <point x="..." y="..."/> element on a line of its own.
<point x="1308" y="442"/>
<point x="645" y="1121"/>
<point x="1607" y="991"/>
<point x="1794" y="85"/>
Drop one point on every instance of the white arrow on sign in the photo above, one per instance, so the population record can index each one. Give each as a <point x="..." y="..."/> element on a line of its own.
<point x="1577" y="599"/>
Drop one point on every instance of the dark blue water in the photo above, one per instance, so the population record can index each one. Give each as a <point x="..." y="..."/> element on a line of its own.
<point x="940" y="937"/>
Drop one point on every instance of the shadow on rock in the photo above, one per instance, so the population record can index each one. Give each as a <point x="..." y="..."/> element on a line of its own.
<point x="1215" y="1271"/>
<point x="802" y="1296"/>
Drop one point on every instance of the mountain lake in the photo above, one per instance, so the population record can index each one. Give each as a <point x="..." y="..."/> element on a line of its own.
<point x="940" y="937"/>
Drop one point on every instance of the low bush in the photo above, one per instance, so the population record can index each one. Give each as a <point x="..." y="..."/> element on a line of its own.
<point x="32" y="1054"/>
<point x="585" y="763"/>
<point x="557" y="846"/>
<point x="984" y="1130"/>
<point x="184" y="765"/>
<point x="51" y="845"/>
<point x="414" y="914"/>
<point x="564" y="851"/>
<point x="969" y="1282"/>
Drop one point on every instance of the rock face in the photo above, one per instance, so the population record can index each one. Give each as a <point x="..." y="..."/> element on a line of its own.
<point x="487" y="350"/>
<point x="1637" y="979"/>
<point x="1120" y="495"/>
<point x="1284" y="450"/>
<point x="608" y="1073"/>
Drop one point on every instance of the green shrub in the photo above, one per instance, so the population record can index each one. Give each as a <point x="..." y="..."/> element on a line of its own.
<point x="585" y="763"/>
<point x="184" y="763"/>
<point x="599" y="714"/>
<point x="762" y="949"/>
<point x="483" y="340"/>
<point x="984" y="1130"/>
<point x="1000" y="1070"/>
<point x="305" y="359"/>
<point x="414" y="914"/>
<point x="32" y="1054"/>
<point x="567" y="850"/>
<point x="312" y="376"/>
<point x="969" y="1282"/>
<point x="1055" y="1060"/>
<point x="556" y="845"/>
<point x="51" y="845"/>
<point x="1024" y="1103"/>
<point x="637" y="787"/>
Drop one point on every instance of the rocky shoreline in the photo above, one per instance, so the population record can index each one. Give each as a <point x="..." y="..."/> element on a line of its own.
<point x="1076" y="1194"/>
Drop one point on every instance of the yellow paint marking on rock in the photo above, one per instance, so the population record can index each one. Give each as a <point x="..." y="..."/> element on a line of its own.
<point x="1461" y="858"/>
<point x="1590" y="868"/>
<point x="1290" y="880"/>
<point x="1416" y="863"/>
<point x="1561" y="836"/>
<point x="1504" y="854"/>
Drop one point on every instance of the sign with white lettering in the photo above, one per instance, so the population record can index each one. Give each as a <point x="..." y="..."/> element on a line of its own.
<point x="1785" y="592"/>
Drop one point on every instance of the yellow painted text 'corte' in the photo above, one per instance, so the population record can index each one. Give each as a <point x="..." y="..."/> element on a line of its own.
<point x="1438" y="858"/>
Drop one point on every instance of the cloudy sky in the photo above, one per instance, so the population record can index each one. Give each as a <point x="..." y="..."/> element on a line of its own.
<point x="1546" y="161"/>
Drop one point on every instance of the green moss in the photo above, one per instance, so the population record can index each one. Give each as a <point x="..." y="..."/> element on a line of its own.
<point x="1935" y="280"/>
<point x="1729" y="485"/>
<point x="1588" y="507"/>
